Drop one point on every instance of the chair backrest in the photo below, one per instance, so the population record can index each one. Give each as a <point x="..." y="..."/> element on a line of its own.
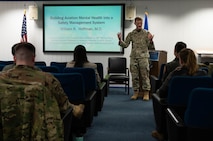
<point x="67" y="120"/>
<point x="206" y="69"/>
<point x="6" y="62"/>
<point x="161" y="73"/>
<point x="100" y="70"/>
<point x="212" y="75"/>
<point x="117" y="65"/>
<point x="1" y="67"/>
<point x="199" y="113"/>
<point x="60" y="65"/>
<point x="181" y="86"/>
<point x="25" y="110"/>
<point x="73" y="85"/>
<point x="51" y="69"/>
<point x="40" y="63"/>
<point x="89" y="77"/>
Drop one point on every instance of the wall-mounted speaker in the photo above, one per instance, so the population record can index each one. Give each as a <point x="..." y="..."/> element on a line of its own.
<point x="130" y="12"/>
<point x="33" y="12"/>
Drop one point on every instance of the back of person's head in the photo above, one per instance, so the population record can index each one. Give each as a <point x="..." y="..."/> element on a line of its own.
<point x="80" y="56"/>
<point x="188" y="59"/>
<point x="179" y="46"/>
<point x="24" y="53"/>
<point x="13" y="49"/>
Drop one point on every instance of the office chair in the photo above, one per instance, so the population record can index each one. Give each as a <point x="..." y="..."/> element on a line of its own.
<point x="117" y="72"/>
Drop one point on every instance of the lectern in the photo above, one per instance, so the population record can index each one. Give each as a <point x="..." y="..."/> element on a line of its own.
<point x="157" y="58"/>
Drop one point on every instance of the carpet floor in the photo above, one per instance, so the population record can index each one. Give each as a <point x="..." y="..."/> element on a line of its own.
<point x="122" y="119"/>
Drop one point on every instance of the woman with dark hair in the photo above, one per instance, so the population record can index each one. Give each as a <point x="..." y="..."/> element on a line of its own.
<point x="80" y="60"/>
<point x="188" y="67"/>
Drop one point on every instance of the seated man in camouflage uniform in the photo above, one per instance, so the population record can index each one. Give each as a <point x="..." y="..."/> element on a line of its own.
<point x="31" y="101"/>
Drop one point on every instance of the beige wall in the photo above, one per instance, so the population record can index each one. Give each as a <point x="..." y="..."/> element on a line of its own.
<point x="188" y="21"/>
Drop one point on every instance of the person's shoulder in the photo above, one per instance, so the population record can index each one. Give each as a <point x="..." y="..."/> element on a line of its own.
<point x="173" y="64"/>
<point x="90" y="65"/>
<point x="7" y="67"/>
<point x="179" y="71"/>
<point x="201" y="73"/>
<point x="70" y="64"/>
<point x="174" y="61"/>
<point x="133" y="31"/>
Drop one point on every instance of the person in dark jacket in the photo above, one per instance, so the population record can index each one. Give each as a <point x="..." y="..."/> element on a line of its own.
<point x="170" y="66"/>
<point x="188" y="67"/>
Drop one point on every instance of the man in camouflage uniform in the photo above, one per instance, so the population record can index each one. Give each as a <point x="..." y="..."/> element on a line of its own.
<point x="139" y="58"/>
<point x="32" y="101"/>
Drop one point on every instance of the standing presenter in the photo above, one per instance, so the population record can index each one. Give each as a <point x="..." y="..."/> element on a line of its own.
<point x="139" y="58"/>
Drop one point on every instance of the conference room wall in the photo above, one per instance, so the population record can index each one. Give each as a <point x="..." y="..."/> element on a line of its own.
<point x="170" y="21"/>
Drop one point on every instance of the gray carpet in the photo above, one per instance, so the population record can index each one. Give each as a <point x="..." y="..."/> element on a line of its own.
<point x="122" y="119"/>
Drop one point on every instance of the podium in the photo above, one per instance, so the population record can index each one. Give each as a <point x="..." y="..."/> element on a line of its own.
<point x="157" y="58"/>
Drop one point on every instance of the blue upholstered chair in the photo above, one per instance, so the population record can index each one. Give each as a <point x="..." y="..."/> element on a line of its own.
<point x="102" y="88"/>
<point x="88" y="75"/>
<point x="6" y="62"/>
<point x="90" y="84"/>
<point x="67" y="120"/>
<point x="51" y="69"/>
<point x="178" y="94"/>
<point x="157" y="81"/>
<point x="60" y="65"/>
<point x="212" y="75"/>
<point x="197" y="123"/>
<point x="73" y="85"/>
<point x="1" y="67"/>
<point x="40" y="63"/>
<point x="180" y="89"/>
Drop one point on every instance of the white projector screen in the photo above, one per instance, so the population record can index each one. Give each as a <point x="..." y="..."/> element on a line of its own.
<point x="94" y="25"/>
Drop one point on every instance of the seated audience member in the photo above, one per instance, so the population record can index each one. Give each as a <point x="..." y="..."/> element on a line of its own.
<point x="80" y="60"/>
<point x="188" y="67"/>
<point x="169" y="67"/>
<point x="7" y="67"/>
<point x="24" y="71"/>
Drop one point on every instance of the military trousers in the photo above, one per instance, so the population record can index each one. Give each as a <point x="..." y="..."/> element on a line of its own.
<point x="139" y="68"/>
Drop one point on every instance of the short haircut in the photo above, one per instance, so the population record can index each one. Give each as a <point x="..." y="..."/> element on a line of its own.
<point x="25" y="45"/>
<point x="24" y="51"/>
<point x="13" y="49"/>
<point x="179" y="46"/>
<point x="138" y="19"/>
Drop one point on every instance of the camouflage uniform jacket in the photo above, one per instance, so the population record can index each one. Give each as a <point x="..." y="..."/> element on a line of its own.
<point x="31" y="102"/>
<point x="140" y="44"/>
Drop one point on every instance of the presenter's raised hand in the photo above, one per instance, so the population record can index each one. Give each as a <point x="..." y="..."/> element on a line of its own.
<point x="119" y="35"/>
